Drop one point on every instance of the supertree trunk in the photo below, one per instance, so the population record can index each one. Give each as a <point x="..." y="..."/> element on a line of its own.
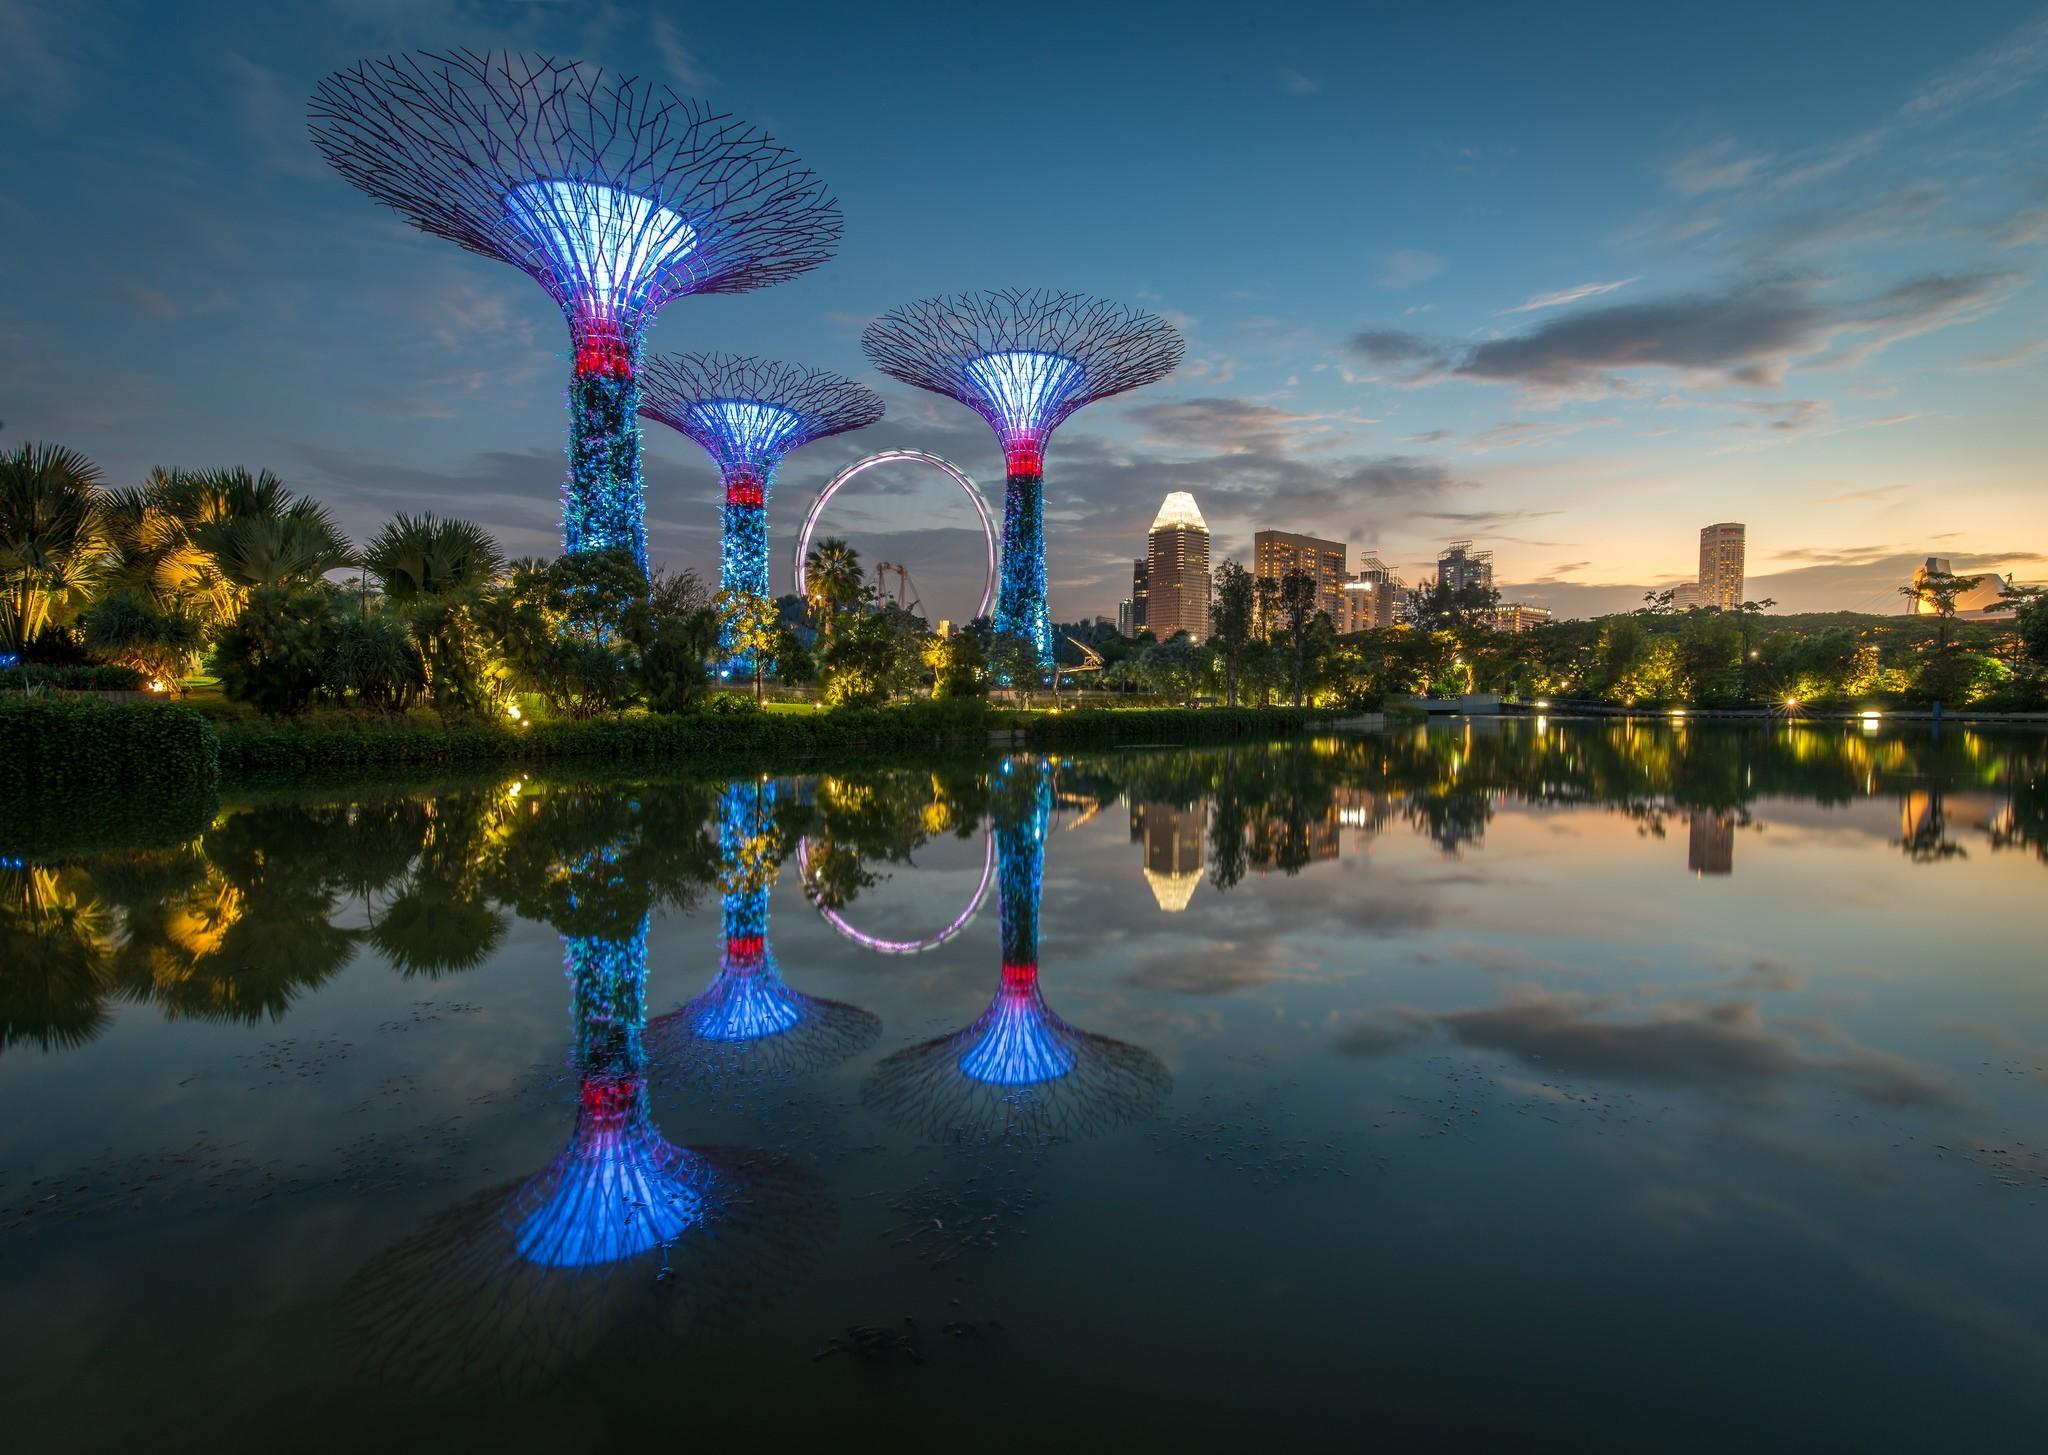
<point x="1020" y="600"/>
<point x="604" y="504"/>
<point x="743" y="553"/>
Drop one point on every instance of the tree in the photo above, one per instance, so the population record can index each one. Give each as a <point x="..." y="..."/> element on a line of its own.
<point x="833" y="581"/>
<point x="748" y="626"/>
<point x="432" y="570"/>
<point x="132" y="630"/>
<point x="1233" y="610"/>
<point x="1938" y="590"/>
<point x="1443" y="607"/>
<point x="53" y="539"/>
<point x="1295" y="602"/>
<point x="1174" y="668"/>
<point x="864" y="660"/>
<point x="1013" y="661"/>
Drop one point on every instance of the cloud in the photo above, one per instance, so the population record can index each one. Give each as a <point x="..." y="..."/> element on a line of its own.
<point x="1714" y="167"/>
<point x="1876" y="494"/>
<point x="1998" y="71"/>
<point x="678" y="59"/>
<point x="1294" y="83"/>
<point x="1224" y="425"/>
<point x="1725" y="1048"/>
<point x="1405" y="267"/>
<point x="1569" y="295"/>
<point x="1749" y="333"/>
<point x="1221" y="968"/>
<point x="2022" y="228"/>
<point x="2011" y="358"/>
<point x="1524" y="434"/>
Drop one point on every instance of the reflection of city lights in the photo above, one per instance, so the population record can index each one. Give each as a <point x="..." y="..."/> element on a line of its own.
<point x="1542" y="723"/>
<point x="1871" y="720"/>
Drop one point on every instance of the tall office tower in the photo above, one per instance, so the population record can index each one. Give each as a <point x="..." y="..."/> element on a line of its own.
<point x="1140" y="585"/>
<point x="1461" y="568"/>
<point x="1278" y="553"/>
<point x="1124" y="625"/>
<point x="1370" y="597"/>
<point x="1175" y="839"/>
<point x="1721" y="549"/>
<point x="1177" y="570"/>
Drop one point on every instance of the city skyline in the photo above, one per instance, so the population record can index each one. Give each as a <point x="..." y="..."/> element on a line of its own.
<point x="1576" y="331"/>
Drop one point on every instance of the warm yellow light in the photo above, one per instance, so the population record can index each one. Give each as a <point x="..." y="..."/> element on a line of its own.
<point x="1791" y="702"/>
<point x="1543" y="702"/>
<point x="512" y="711"/>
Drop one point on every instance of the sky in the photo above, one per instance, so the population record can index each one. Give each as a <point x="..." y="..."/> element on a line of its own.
<point x="1568" y="281"/>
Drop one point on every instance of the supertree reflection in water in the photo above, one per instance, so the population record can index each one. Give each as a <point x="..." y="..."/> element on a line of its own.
<point x="749" y="1024"/>
<point x="1018" y="1072"/>
<point x="623" y="1237"/>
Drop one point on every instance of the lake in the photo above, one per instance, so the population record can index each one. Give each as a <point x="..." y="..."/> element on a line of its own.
<point x="1566" y="1084"/>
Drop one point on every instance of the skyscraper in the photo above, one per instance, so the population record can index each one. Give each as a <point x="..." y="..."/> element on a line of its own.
<point x="1721" y="551"/>
<point x="1174" y="840"/>
<point x="1176" y="582"/>
<point x="1279" y="553"/>
<point x="1460" y="568"/>
<point x="1138" y="589"/>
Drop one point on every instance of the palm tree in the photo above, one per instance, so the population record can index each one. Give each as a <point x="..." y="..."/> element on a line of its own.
<point x="53" y="539"/>
<point x="833" y="580"/>
<point x="419" y="557"/>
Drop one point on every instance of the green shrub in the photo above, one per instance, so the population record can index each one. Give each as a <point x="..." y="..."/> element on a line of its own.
<point x="375" y="661"/>
<point x="59" y="744"/>
<point x="274" y="656"/>
<point x="133" y="631"/>
<point x="71" y="679"/>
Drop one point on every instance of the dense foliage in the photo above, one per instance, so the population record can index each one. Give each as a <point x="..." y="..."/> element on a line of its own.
<point x="66" y="743"/>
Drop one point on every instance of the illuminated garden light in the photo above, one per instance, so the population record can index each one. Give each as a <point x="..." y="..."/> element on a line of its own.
<point x="1024" y="361"/>
<point x="749" y="1023"/>
<point x="1018" y="1068"/>
<point x="611" y="192"/>
<point x="748" y="414"/>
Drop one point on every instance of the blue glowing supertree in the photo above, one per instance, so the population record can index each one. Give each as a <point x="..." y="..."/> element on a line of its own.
<point x="1018" y="1069"/>
<point x="611" y="192"/>
<point x="1023" y="360"/>
<point x="747" y="414"/>
<point x="748" y="1024"/>
<point x="521" y="1280"/>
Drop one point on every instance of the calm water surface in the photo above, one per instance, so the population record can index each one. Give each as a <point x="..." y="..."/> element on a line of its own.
<point x="1545" y="1084"/>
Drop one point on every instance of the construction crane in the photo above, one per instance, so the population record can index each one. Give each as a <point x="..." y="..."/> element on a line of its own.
<point x="906" y="596"/>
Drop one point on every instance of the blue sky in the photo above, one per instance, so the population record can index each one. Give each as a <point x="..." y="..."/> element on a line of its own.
<point x="1572" y="282"/>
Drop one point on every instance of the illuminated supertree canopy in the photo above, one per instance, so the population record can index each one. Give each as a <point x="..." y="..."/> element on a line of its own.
<point x="1023" y="360"/>
<point x="749" y="1024"/>
<point x="1018" y="1071"/>
<point x="747" y="414"/>
<point x="612" y="192"/>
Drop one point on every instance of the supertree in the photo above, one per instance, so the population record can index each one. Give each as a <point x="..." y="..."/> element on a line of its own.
<point x="612" y="192"/>
<point x="624" y="1233"/>
<point x="1023" y="360"/>
<point x="748" y="1024"/>
<point x="747" y="414"/>
<point x="1018" y="1071"/>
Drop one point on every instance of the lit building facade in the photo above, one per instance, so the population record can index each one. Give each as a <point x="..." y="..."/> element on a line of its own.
<point x="1519" y="617"/>
<point x="1176" y="580"/>
<point x="1985" y="593"/>
<point x="1278" y="553"/>
<point x="1721" y="560"/>
<point x="1174" y="840"/>
<point x="1460" y="568"/>
<point x="1139" y="586"/>
<point x="1372" y="597"/>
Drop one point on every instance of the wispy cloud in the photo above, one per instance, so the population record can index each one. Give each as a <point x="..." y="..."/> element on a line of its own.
<point x="1569" y="295"/>
<point x="1294" y="83"/>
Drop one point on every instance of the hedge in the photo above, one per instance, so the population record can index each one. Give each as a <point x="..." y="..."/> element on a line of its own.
<point x="1170" y="724"/>
<point x="71" y="743"/>
<point x="71" y="679"/>
<point x="269" y="746"/>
